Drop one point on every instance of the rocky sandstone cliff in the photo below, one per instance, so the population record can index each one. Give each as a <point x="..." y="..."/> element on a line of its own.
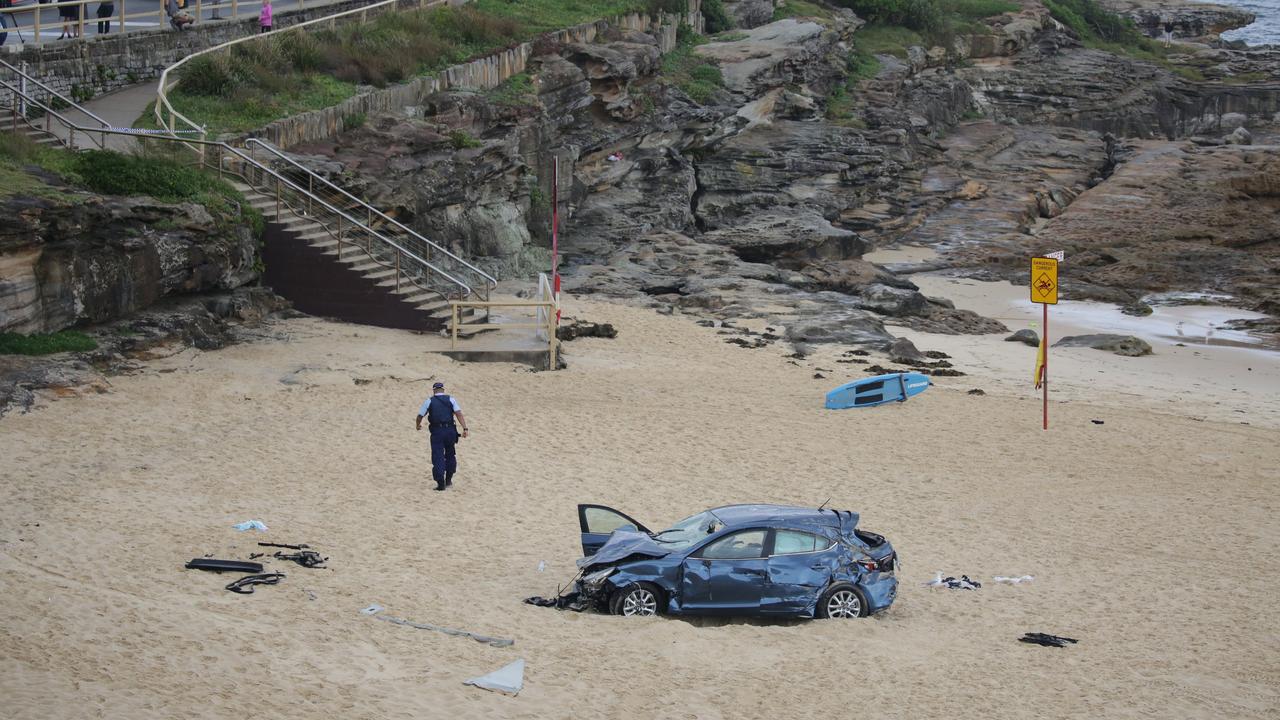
<point x="69" y="257"/>
<point x="758" y="199"/>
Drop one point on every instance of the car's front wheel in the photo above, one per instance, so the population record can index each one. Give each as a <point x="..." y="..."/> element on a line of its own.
<point x="843" y="601"/>
<point x="640" y="599"/>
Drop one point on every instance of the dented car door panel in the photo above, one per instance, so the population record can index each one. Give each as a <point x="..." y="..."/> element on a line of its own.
<point x="795" y="581"/>
<point x="721" y="586"/>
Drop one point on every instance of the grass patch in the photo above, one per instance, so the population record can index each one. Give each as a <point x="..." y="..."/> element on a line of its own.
<point x="938" y="20"/>
<point x="462" y="140"/>
<point x="153" y="172"/>
<point x="1102" y="30"/>
<point x="698" y="77"/>
<point x="1246" y="78"/>
<point x="539" y="16"/>
<point x="860" y="65"/>
<point x="801" y="8"/>
<point x="46" y="344"/>
<point x="886" y="40"/>
<point x="17" y="152"/>
<point x="515" y="92"/>
<point x="977" y="9"/>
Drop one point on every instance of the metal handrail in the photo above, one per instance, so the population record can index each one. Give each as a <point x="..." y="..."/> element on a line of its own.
<point x="163" y="104"/>
<point x="48" y="113"/>
<point x="463" y="288"/>
<point x="55" y="93"/>
<point x="490" y="281"/>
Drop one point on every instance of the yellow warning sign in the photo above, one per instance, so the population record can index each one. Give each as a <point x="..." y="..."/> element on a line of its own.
<point x="1044" y="281"/>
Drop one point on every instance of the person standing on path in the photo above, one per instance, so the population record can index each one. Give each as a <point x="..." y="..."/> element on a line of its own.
<point x="264" y="17"/>
<point x="440" y="410"/>
<point x="106" y="9"/>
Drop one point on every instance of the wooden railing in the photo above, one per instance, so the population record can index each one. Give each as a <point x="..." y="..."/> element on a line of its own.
<point x="543" y="309"/>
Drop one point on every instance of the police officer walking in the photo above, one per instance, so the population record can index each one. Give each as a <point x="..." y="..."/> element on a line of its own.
<point x="440" y="410"/>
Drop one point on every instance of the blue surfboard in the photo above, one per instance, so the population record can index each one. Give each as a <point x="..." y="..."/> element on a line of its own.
<point x="878" y="390"/>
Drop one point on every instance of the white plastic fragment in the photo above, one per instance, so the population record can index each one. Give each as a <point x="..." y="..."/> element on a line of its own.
<point x="250" y="525"/>
<point x="373" y="609"/>
<point x="508" y="680"/>
<point x="1013" y="580"/>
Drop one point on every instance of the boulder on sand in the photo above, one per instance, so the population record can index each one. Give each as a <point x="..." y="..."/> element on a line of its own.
<point x="1126" y="345"/>
<point x="903" y="352"/>
<point x="1026" y="337"/>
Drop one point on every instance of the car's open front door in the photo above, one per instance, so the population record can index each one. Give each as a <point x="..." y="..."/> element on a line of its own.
<point x="598" y="523"/>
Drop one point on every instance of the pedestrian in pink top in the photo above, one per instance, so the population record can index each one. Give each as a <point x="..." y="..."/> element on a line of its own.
<point x="264" y="17"/>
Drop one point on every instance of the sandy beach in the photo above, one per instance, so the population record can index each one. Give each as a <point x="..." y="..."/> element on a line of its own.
<point x="1153" y="537"/>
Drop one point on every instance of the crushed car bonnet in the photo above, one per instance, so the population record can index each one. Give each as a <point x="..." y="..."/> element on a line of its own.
<point x="624" y="543"/>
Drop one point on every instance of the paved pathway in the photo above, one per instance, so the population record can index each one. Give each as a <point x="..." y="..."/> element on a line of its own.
<point x="51" y="24"/>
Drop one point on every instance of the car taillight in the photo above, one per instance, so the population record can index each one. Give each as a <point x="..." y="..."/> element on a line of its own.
<point x="868" y="565"/>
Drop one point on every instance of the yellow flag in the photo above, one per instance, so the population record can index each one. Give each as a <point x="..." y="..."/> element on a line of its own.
<point x="1039" y="376"/>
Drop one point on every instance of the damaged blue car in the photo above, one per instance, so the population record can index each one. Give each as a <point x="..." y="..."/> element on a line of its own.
<point x="743" y="560"/>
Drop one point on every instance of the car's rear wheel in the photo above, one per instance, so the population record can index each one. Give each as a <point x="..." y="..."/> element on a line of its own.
<point x="843" y="601"/>
<point x="638" y="600"/>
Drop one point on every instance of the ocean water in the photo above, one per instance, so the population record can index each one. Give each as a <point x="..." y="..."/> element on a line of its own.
<point x="1265" y="30"/>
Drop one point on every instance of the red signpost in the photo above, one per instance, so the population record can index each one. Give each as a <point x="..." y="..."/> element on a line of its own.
<point x="555" y="235"/>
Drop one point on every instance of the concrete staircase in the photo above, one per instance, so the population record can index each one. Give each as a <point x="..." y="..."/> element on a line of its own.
<point x="341" y="279"/>
<point x="22" y="129"/>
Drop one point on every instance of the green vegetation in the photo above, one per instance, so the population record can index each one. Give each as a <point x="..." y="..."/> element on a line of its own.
<point x="18" y="152"/>
<point x="539" y="16"/>
<point x="152" y="173"/>
<point x="516" y="91"/>
<point x="886" y="40"/>
<point x="936" y="19"/>
<point x="1246" y="78"/>
<point x="698" y="77"/>
<point x="895" y="25"/>
<point x="801" y="8"/>
<point x="860" y="65"/>
<point x="715" y="17"/>
<point x="45" y="344"/>
<point x="247" y="110"/>
<point x="255" y="83"/>
<point x="354" y="120"/>
<point x="1102" y="30"/>
<point x="462" y="140"/>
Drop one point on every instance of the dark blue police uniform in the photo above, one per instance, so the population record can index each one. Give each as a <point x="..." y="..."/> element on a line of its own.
<point x="444" y="436"/>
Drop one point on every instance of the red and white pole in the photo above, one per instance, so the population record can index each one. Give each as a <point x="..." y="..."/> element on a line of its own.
<point x="555" y="234"/>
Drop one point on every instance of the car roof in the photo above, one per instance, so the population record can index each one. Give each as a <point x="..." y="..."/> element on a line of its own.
<point x="735" y="515"/>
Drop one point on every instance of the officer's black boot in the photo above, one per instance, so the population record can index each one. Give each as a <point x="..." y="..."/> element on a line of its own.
<point x="440" y="484"/>
<point x="448" y="480"/>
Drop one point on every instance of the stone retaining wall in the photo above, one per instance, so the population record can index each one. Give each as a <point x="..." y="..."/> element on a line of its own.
<point x="481" y="74"/>
<point x="99" y="64"/>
